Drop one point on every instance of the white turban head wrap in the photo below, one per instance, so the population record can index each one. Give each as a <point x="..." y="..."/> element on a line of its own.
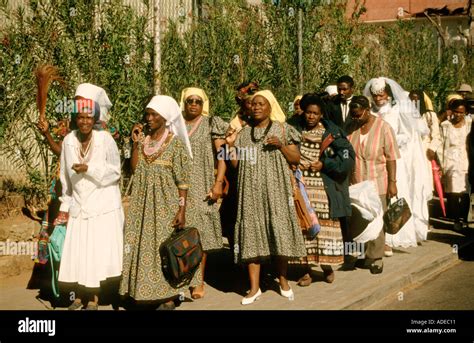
<point x="169" y="109"/>
<point x="98" y="95"/>
<point x="331" y="90"/>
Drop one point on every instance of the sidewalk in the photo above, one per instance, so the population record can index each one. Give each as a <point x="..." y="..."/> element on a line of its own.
<point x="358" y="289"/>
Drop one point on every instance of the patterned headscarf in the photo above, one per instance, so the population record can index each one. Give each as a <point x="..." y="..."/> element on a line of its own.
<point x="246" y="90"/>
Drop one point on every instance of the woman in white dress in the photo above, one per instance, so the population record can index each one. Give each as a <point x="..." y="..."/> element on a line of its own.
<point x="432" y="141"/>
<point x="455" y="162"/>
<point x="91" y="201"/>
<point x="393" y="105"/>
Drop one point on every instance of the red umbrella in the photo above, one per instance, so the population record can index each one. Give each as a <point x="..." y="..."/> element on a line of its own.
<point x="437" y="182"/>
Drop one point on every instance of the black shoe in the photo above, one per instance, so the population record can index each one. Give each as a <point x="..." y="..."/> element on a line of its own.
<point x="458" y="226"/>
<point x="376" y="267"/>
<point x="361" y="263"/>
<point x="349" y="264"/>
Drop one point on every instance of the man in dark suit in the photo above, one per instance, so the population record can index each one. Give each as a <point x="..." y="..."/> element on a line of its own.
<point x="338" y="109"/>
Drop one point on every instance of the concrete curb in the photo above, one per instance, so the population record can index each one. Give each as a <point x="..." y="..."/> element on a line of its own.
<point x="423" y="273"/>
<point x="391" y="289"/>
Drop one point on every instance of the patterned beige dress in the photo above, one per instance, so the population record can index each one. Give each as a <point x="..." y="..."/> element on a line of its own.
<point x="201" y="214"/>
<point x="153" y="206"/>
<point x="267" y="224"/>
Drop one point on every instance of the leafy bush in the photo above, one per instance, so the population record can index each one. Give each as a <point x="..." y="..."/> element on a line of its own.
<point x="107" y="43"/>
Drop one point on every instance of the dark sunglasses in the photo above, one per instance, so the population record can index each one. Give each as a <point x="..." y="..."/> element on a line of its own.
<point x="194" y="101"/>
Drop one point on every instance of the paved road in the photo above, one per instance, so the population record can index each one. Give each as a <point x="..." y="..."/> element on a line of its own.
<point x="357" y="289"/>
<point x="452" y="289"/>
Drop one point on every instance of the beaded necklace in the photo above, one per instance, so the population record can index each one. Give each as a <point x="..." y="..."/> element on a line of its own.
<point x="151" y="146"/>
<point x="84" y="154"/>
<point x="267" y="129"/>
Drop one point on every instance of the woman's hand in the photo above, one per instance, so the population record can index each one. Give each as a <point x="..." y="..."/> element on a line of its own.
<point x="216" y="191"/>
<point x="80" y="168"/>
<point x="43" y="126"/>
<point x="274" y="141"/>
<point x="316" y="166"/>
<point x="179" y="220"/>
<point x="231" y="136"/>
<point x="136" y="132"/>
<point x="430" y="154"/>
<point x="62" y="218"/>
<point x="392" y="189"/>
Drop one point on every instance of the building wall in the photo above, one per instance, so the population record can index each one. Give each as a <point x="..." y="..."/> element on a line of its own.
<point x="383" y="10"/>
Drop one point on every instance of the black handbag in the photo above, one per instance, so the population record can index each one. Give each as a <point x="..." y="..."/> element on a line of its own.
<point x="396" y="216"/>
<point x="181" y="255"/>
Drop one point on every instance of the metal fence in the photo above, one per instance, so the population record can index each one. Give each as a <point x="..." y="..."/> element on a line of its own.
<point x="180" y="11"/>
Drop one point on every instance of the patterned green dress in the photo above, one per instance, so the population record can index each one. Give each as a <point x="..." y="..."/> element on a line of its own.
<point x="267" y="224"/>
<point x="201" y="214"/>
<point x="153" y="206"/>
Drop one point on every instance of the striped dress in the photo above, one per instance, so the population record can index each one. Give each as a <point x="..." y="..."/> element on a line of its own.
<point x="372" y="153"/>
<point x="328" y="246"/>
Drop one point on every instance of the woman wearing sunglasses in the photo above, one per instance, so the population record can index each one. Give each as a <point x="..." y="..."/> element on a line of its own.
<point x="206" y="134"/>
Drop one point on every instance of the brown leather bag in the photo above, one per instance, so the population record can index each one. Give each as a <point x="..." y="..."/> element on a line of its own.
<point x="304" y="218"/>
<point x="181" y="255"/>
<point x="300" y="206"/>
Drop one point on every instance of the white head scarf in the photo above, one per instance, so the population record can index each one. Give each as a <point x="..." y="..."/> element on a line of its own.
<point x="331" y="90"/>
<point x="169" y="109"/>
<point x="409" y="114"/>
<point x="98" y="95"/>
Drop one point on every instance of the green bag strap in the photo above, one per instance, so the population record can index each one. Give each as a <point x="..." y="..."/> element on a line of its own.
<point x="53" y="274"/>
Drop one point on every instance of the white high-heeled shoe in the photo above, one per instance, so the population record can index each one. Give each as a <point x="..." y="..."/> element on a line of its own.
<point x="248" y="301"/>
<point x="287" y="294"/>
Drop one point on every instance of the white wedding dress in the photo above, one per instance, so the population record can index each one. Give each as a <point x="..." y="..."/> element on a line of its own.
<point x="413" y="179"/>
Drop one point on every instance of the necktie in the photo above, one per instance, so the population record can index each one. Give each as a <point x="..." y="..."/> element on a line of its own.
<point x="344" y="110"/>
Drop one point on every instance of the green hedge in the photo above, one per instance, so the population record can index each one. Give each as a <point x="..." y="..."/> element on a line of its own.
<point x="230" y="43"/>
